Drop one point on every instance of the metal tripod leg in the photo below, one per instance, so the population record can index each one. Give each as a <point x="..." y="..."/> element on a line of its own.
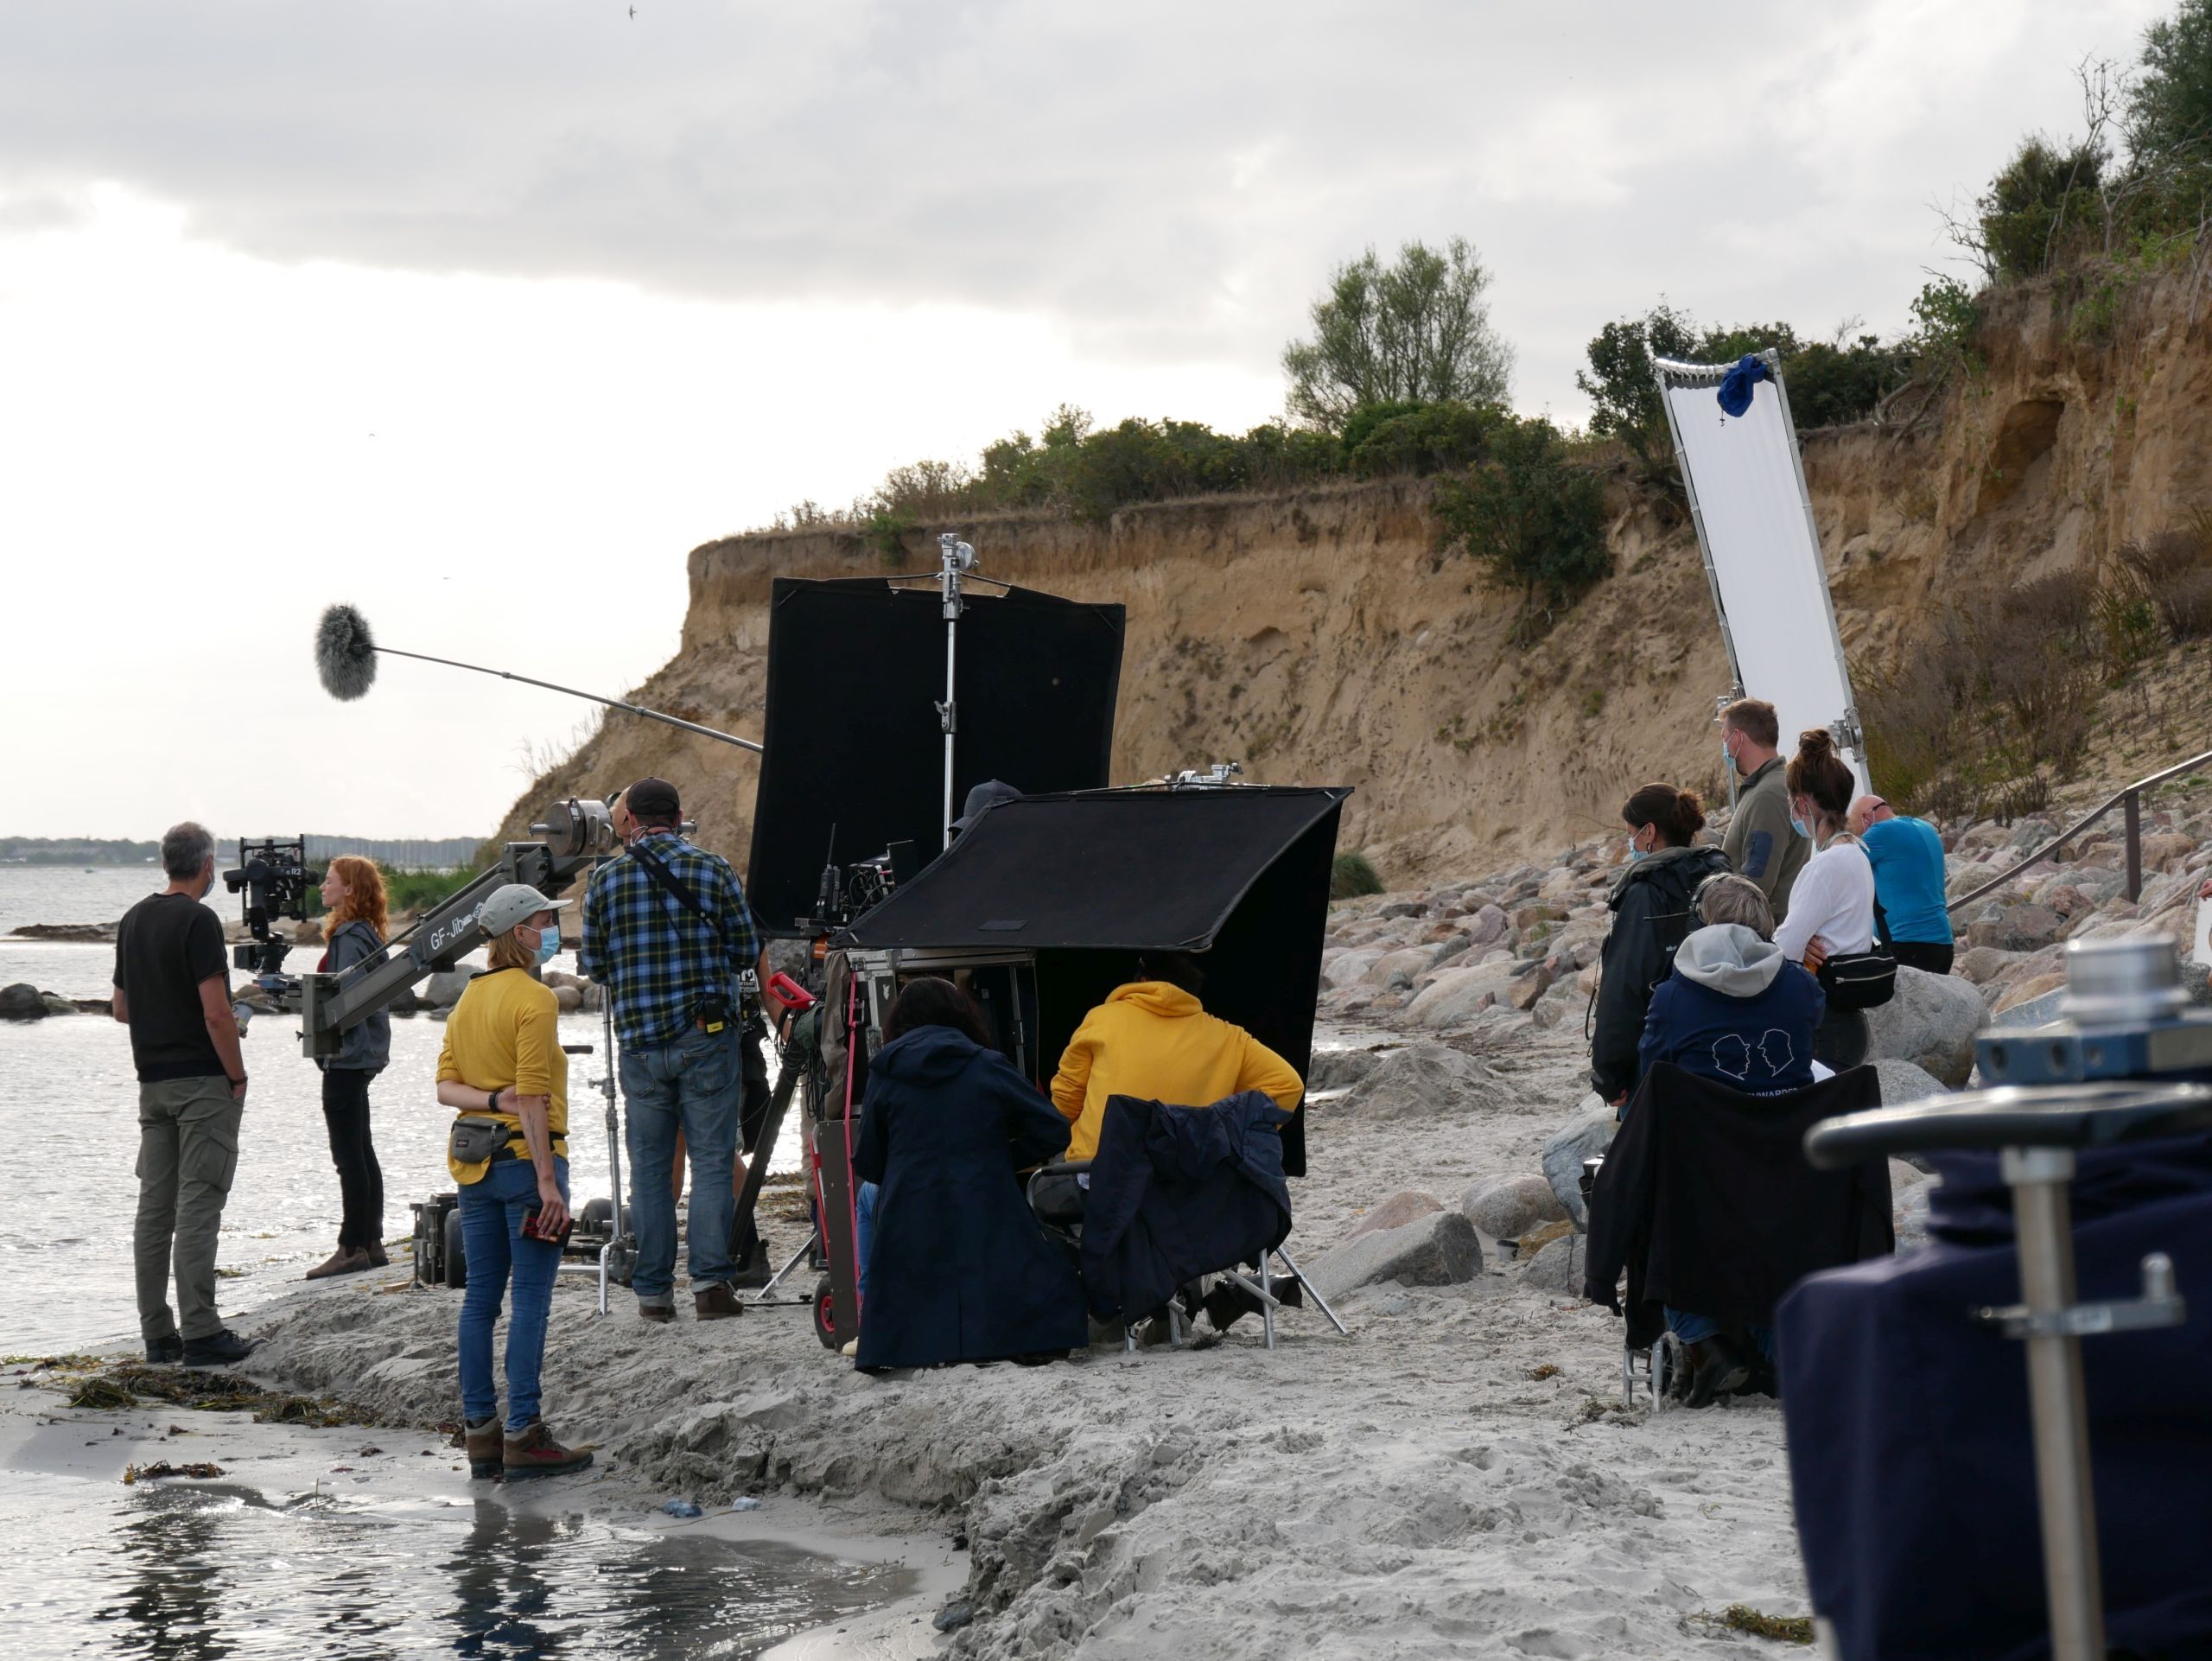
<point x="1267" y="1304"/>
<point x="790" y="1263"/>
<point x="2058" y="1406"/>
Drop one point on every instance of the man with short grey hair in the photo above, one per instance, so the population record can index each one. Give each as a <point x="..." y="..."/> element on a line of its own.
<point x="172" y="989"/>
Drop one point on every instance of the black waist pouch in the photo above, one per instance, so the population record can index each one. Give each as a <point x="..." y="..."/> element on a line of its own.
<point x="475" y="1140"/>
<point x="1859" y="980"/>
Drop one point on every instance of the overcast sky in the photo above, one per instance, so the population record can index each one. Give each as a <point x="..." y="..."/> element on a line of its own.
<point x="481" y="314"/>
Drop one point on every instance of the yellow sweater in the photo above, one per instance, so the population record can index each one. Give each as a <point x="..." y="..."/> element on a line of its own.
<point x="505" y="1034"/>
<point x="1152" y="1040"/>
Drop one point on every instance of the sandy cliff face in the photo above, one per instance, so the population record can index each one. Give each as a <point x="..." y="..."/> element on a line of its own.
<point x="1320" y="638"/>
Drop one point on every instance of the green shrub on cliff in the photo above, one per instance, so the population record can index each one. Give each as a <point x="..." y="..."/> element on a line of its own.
<point x="1416" y="330"/>
<point x="1533" y="514"/>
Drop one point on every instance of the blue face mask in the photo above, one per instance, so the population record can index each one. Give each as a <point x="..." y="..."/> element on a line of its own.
<point x="1635" y="853"/>
<point x="548" y="942"/>
<point x="1801" y="828"/>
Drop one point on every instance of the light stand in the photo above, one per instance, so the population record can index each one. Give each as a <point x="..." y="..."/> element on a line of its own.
<point x="956" y="558"/>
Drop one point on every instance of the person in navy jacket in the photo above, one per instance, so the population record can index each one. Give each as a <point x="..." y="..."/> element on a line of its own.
<point x="1735" y="1010"/>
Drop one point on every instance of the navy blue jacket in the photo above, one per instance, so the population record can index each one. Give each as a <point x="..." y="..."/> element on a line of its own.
<point x="958" y="1270"/>
<point x="1908" y="1424"/>
<point x="1756" y="1044"/>
<point x="1180" y="1192"/>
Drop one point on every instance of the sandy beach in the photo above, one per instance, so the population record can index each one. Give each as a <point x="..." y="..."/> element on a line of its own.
<point x="1458" y="1475"/>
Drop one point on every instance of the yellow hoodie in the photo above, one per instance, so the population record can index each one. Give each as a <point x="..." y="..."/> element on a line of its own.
<point x="1153" y="1042"/>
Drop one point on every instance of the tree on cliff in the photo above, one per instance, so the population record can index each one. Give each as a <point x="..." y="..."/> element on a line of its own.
<point x="1534" y="516"/>
<point x="1417" y="331"/>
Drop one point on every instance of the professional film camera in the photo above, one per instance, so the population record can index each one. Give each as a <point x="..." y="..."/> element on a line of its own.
<point x="274" y="878"/>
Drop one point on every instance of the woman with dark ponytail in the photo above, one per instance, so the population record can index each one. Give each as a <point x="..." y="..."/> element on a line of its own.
<point x="1832" y="906"/>
<point x="1653" y="911"/>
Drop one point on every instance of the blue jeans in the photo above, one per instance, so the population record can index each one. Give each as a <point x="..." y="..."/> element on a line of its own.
<point x="492" y="1211"/>
<point x="696" y="1083"/>
<point x="864" y="1233"/>
<point x="1695" y="1329"/>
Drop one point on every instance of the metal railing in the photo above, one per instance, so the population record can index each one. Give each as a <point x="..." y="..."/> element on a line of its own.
<point x="2129" y="797"/>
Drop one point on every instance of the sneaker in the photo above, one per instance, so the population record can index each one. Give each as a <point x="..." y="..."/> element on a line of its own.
<point x="662" y="1313"/>
<point x="221" y="1348"/>
<point x="531" y="1451"/>
<point x="1715" y="1368"/>
<point x="347" y="1260"/>
<point x="851" y="1349"/>
<point x="486" y="1444"/>
<point x="717" y="1302"/>
<point x="165" y="1351"/>
<point x="379" y="1257"/>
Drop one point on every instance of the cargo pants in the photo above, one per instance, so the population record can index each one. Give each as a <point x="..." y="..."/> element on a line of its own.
<point x="187" y="1154"/>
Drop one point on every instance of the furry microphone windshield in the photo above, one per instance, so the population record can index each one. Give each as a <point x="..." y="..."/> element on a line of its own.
<point x="345" y="656"/>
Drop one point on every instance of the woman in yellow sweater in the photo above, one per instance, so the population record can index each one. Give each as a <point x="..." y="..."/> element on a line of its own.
<point x="503" y="1068"/>
<point x="1152" y="1039"/>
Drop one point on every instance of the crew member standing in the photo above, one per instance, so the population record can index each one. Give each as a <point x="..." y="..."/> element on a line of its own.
<point x="1907" y="855"/>
<point x="1760" y="843"/>
<point x="173" y="989"/>
<point x="667" y="931"/>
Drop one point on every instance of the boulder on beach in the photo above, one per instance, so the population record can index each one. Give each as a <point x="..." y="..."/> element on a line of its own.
<point x="1437" y="1249"/>
<point x="1421" y="1081"/>
<point x="22" y="1001"/>
<point x="1340" y="1069"/>
<point x="1400" y="1209"/>
<point x="1458" y="995"/>
<point x="1586" y="1134"/>
<point x="68" y="933"/>
<point x="442" y="991"/>
<point x="1904" y="1081"/>
<point x="1506" y="1209"/>
<point x="1557" y="1265"/>
<point x="1931" y="1021"/>
<point x="57" y="1005"/>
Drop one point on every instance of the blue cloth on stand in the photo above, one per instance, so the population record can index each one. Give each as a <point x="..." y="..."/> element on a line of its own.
<point x="1736" y="385"/>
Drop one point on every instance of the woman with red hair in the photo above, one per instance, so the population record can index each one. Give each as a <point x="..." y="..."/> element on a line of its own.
<point x="353" y="889"/>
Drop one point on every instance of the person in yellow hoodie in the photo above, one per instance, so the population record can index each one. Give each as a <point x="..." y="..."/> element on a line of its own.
<point x="1152" y="1039"/>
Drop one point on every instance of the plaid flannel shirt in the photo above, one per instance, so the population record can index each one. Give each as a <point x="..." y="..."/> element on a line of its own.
<point x="654" y="954"/>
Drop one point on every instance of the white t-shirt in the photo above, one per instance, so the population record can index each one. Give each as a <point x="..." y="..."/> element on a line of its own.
<point x="1832" y="901"/>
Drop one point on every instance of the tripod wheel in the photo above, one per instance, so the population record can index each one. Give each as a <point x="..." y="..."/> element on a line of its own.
<point x="825" y="1322"/>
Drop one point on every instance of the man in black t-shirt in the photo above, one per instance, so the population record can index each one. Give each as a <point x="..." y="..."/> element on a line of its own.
<point x="173" y="989"/>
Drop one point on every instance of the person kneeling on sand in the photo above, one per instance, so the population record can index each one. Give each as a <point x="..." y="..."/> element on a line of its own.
<point x="958" y="1270"/>
<point x="1735" y="1010"/>
<point x="503" y="1067"/>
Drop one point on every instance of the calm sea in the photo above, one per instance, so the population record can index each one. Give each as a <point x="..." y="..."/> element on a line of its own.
<point x="69" y="1121"/>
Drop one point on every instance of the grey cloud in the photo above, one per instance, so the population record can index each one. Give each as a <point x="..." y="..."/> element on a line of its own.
<point x="1081" y="163"/>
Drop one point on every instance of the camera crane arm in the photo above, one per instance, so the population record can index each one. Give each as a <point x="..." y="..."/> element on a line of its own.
<point x="579" y="836"/>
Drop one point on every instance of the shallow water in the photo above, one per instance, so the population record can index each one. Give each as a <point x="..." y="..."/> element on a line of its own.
<point x="218" y="1569"/>
<point x="68" y="1125"/>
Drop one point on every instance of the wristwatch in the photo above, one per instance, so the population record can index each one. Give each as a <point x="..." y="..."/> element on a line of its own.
<point x="493" y="1106"/>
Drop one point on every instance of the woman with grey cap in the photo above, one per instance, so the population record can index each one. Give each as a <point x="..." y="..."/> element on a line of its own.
<point x="503" y="1068"/>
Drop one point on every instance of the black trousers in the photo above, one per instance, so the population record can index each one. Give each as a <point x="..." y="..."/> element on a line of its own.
<point x="360" y="1179"/>
<point x="1928" y="956"/>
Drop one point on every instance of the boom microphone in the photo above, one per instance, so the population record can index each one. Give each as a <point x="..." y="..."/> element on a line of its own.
<point x="346" y="661"/>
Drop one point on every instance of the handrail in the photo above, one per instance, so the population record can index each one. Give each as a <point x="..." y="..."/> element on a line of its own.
<point x="2127" y="794"/>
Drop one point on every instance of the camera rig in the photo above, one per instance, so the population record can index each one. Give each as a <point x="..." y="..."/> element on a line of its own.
<point x="273" y="875"/>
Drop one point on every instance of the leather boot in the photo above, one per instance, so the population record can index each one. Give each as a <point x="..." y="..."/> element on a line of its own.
<point x="487" y="1444"/>
<point x="717" y="1302"/>
<point x="347" y="1260"/>
<point x="1716" y="1367"/>
<point x="379" y="1257"/>
<point x="532" y="1451"/>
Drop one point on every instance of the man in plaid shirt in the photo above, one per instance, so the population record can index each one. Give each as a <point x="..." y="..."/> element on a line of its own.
<point x="670" y="962"/>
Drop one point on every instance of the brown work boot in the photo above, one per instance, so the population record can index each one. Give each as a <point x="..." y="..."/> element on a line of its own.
<point x="347" y="1260"/>
<point x="379" y="1257"/>
<point x="531" y="1451"/>
<point x="486" y="1444"/>
<point x="717" y="1302"/>
<point x="659" y="1313"/>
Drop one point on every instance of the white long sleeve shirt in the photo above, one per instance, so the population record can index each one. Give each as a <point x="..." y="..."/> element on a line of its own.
<point x="1832" y="902"/>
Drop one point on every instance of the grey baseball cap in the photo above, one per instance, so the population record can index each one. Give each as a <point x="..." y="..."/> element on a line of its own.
<point x="983" y="797"/>
<point x="510" y="906"/>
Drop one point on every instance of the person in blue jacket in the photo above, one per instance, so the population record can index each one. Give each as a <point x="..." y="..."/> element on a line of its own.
<point x="958" y="1270"/>
<point x="1735" y="1010"/>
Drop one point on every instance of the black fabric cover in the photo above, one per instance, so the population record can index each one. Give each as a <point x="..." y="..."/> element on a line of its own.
<point x="1177" y="1193"/>
<point x="850" y="733"/>
<point x="1707" y="1199"/>
<point x="958" y="1270"/>
<point x="1908" y="1425"/>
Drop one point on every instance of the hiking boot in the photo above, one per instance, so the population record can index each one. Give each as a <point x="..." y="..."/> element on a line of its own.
<point x="347" y="1260"/>
<point x="165" y="1351"/>
<point x="660" y="1313"/>
<point x="379" y="1257"/>
<point x="531" y="1451"/>
<point x="486" y="1444"/>
<point x="717" y="1302"/>
<point x="220" y="1348"/>
<point x="1715" y="1369"/>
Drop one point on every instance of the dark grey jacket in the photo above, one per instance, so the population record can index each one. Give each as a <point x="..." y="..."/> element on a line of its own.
<point x="366" y="1046"/>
